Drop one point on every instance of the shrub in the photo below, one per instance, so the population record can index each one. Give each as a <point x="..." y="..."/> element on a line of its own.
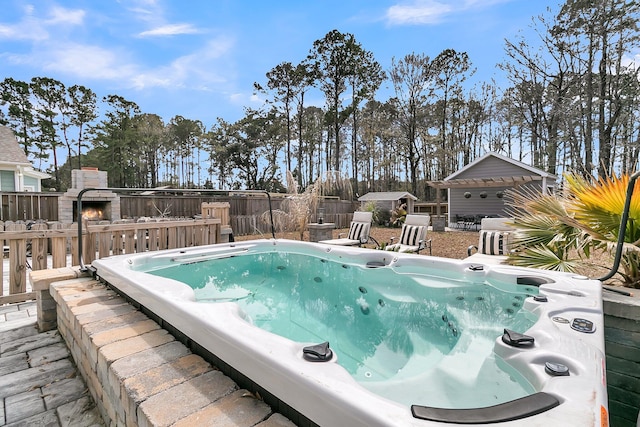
<point x="586" y="216"/>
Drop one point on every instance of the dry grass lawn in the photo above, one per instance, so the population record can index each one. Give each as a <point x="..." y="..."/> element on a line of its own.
<point x="454" y="244"/>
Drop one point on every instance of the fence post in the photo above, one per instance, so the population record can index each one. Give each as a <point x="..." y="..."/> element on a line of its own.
<point x="39" y="248"/>
<point x="58" y="246"/>
<point x="129" y="241"/>
<point x="218" y="210"/>
<point x="104" y="243"/>
<point x="164" y="238"/>
<point x="75" y="259"/>
<point x="153" y="239"/>
<point x="172" y="237"/>
<point x="141" y="239"/>
<point x="181" y="236"/>
<point x="17" y="261"/>
<point x="89" y="246"/>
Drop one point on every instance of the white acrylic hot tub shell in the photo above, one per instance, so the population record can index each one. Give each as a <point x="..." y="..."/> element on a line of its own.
<point x="325" y="392"/>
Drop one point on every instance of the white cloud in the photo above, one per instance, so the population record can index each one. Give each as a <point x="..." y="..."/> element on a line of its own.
<point x="35" y="28"/>
<point x="153" y="15"/>
<point x="203" y="69"/>
<point x="27" y="29"/>
<point x="149" y="80"/>
<point x="418" y="12"/>
<point x="200" y="69"/>
<point x="86" y="62"/>
<point x="144" y="10"/>
<point x="245" y="99"/>
<point x="170" y="30"/>
<point x="238" y="98"/>
<point x="6" y="31"/>
<point x="59" y="52"/>
<point x="60" y="15"/>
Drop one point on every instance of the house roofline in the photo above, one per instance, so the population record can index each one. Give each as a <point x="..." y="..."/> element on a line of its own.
<point x="531" y="169"/>
<point x="36" y="174"/>
<point x="25" y="168"/>
<point x="5" y="163"/>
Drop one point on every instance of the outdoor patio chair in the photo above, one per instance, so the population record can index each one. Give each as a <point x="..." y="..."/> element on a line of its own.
<point x="413" y="237"/>
<point x="358" y="231"/>
<point x="495" y="241"/>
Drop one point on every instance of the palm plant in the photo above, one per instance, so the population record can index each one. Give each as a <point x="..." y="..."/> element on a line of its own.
<point x="585" y="217"/>
<point x="372" y="206"/>
<point x="398" y="215"/>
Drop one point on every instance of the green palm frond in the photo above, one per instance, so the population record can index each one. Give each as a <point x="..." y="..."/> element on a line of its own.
<point x="542" y="257"/>
<point x="539" y="229"/>
<point x="534" y="230"/>
<point x="529" y="200"/>
<point x="584" y="218"/>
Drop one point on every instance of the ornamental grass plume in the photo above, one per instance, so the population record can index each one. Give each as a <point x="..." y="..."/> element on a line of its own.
<point x="297" y="208"/>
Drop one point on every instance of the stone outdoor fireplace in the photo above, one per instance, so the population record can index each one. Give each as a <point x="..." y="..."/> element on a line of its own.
<point x="96" y="205"/>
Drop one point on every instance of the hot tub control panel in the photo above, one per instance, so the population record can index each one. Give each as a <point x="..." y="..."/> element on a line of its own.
<point x="583" y="325"/>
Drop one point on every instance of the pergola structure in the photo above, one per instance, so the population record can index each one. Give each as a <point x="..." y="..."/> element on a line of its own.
<point x="503" y="181"/>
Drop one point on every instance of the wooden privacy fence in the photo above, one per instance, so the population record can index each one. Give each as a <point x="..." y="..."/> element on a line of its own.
<point x="244" y="209"/>
<point x="99" y="241"/>
<point x="243" y="225"/>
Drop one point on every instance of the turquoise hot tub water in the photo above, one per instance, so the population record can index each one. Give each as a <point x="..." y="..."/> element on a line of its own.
<point x="413" y="335"/>
<point x="417" y="340"/>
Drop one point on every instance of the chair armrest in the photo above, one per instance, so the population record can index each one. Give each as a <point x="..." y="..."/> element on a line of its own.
<point x="470" y="249"/>
<point x="340" y="235"/>
<point x="424" y="244"/>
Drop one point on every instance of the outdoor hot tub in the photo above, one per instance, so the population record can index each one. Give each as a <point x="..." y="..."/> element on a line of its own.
<point x="359" y="337"/>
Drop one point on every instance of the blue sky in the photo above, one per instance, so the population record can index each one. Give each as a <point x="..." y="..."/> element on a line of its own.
<point x="200" y="58"/>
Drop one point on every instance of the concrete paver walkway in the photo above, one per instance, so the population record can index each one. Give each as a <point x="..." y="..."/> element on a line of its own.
<point x="39" y="383"/>
<point x="13" y="316"/>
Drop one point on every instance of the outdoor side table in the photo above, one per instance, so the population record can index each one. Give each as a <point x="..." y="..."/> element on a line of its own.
<point x="318" y="232"/>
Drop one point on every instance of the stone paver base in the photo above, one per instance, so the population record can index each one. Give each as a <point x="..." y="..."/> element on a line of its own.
<point x="138" y="374"/>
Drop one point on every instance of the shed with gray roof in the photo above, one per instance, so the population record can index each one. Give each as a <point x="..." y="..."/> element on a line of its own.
<point x="389" y="200"/>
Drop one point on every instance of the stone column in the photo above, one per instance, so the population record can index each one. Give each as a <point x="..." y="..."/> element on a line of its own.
<point x="41" y="279"/>
<point x="318" y="232"/>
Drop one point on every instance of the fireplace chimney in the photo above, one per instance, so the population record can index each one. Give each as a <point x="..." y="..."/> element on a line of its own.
<point x="97" y="205"/>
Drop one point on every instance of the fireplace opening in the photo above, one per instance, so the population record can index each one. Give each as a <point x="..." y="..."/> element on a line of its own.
<point x="97" y="205"/>
<point x="93" y="210"/>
